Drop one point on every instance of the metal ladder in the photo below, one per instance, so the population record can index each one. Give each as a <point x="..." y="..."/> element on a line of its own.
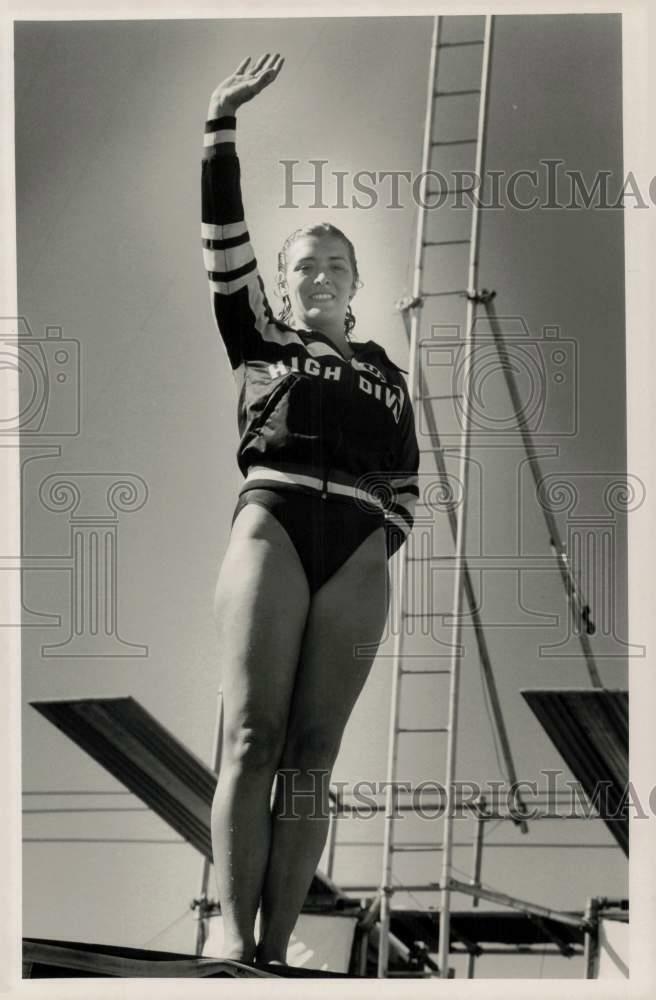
<point x="462" y="583"/>
<point x="420" y="395"/>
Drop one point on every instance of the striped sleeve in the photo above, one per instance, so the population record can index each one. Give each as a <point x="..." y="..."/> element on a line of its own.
<point x="239" y="305"/>
<point x="403" y="483"/>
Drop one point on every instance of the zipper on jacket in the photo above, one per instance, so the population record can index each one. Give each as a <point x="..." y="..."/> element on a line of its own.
<point x="324" y="493"/>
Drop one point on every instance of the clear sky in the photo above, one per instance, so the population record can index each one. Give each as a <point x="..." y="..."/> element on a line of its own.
<point x="109" y="120"/>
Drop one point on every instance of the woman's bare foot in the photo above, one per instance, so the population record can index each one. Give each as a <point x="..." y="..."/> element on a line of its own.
<point x="261" y="958"/>
<point x="240" y="953"/>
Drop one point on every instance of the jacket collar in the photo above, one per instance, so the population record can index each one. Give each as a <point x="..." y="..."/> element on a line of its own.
<point x="371" y="347"/>
<point x="358" y="347"/>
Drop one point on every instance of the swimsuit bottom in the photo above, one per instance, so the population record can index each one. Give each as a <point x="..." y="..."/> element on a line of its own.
<point x="324" y="531"/>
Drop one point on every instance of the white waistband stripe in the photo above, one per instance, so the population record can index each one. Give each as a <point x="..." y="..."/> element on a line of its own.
<point x="298" y="479"/>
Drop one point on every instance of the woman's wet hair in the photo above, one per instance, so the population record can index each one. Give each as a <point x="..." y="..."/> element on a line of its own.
<point x="317" y="229"/>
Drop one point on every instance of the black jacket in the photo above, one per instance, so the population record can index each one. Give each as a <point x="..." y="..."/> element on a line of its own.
<point x="332" y="424"/>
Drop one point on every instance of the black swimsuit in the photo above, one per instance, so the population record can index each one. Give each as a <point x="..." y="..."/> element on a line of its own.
<point x="324" y="531"/>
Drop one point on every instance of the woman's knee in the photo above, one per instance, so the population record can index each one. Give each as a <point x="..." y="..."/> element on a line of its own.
<point x="253" y="745"/>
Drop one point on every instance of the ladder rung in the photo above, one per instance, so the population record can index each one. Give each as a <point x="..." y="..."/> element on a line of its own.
<point x="455" y="45"/>
<point x="428" y="558"/>
<point x="440" y="729"/>
<point x="456" y="93"/>
<point x="430" y="451"/>
<point x="398" y="888"/>
<point x="442" y="243"/>
<point x="407" y="848"/>
<point x="456" y="395"/>
<point x="402" y="671"/>
<point x="435" y="295"/>
<point x="423" y="614"/>
<point x="458" y="190"/>
<point x="453" y="142"/>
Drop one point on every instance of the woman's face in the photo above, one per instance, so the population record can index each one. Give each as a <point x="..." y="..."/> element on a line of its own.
<point x="320" y="281"/>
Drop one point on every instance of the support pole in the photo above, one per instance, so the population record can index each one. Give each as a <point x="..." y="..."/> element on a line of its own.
<point x="476" y="874"/>
<point x="580" y="610"/>
<point x="335" y="804"/>
<point x="523" y="905"/>
<point x="201" y="931"/>
<point x="591" y="942"/>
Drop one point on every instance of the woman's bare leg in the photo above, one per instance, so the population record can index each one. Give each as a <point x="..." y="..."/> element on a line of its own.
<point x="350" y="609"/>
<point x="260" y="625"/>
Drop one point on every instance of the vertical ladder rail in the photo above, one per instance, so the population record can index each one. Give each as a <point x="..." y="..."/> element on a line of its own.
<point x="477" y="623"/>
<point x="386" y="888"/>
<point x="458" y="590"/>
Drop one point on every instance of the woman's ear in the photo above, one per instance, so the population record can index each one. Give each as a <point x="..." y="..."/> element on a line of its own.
<point x="281" y="284"/>
<point x="354" y="288"/>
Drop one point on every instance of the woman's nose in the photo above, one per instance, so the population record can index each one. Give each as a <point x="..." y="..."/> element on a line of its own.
<point x="321" y="278"/>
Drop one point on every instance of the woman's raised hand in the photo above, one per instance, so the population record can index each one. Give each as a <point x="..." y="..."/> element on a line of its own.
<point x="244" y="84"/>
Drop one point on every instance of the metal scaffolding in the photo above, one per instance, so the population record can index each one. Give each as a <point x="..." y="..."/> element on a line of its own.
<point x="478" y="302"/>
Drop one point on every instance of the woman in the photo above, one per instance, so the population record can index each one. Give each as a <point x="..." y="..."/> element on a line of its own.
<point x="330" y="457"/>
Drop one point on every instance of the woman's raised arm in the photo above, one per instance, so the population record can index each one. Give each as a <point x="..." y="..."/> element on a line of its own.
<point x="240" y="308"/>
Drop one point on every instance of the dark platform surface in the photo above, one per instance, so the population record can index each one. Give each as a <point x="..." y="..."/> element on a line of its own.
<point x="590" y="729"/>
<point x="44" y="958"/>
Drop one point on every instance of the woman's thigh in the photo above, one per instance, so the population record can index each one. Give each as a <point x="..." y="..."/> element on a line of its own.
<point x="344" y="626"/>
<point x="261" y="606"/>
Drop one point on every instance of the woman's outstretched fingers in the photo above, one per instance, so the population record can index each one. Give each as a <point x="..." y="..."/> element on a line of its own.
<point x="266" y="76"/>
<point x="242" y="65"/>
<point x="260" y="62"/>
